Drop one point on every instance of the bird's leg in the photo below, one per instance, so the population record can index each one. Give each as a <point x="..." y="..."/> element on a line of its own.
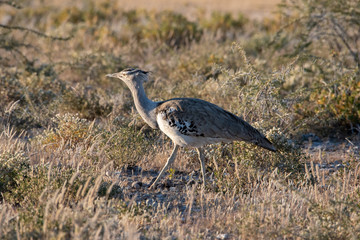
<point x="168" y="163"/>
<point x="202" y="162"/>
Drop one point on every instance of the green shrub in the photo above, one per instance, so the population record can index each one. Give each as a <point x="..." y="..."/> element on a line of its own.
<point x="338" y="101"/>
<point x="240" y="164"/>
<point x="85" y="102"/>
<point x="35" y="89"/>
<point x="324" y="28"/>
<point x="93" y="66"/>
<point x="14" y="169"/>
<point x="331" y="102"/>
<point x="125" y="146"/>
<point x="258" y="96"/>
<point x="91" y="13"/>
<point x="223" y="25"/>
<point x="48" y="189"/>
<point x="69" y="132"/>
<point x="169" y="28"/>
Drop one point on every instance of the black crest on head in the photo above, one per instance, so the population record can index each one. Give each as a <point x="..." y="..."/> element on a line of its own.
<point x="134" y="70"/>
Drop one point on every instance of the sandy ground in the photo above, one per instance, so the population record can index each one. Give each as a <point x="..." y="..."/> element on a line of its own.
<point x="252" y="8"/>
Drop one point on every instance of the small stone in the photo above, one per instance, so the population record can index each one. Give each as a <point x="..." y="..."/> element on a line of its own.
<point x="338" y="166"/>
<point x="222" y="236"/>
<point x="324" y="165"/>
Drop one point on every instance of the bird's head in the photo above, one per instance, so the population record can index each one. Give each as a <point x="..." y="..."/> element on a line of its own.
<point x="131" y="76"/>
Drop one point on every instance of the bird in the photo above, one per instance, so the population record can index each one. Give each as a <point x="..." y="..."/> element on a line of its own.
<point x="188" y="122"/>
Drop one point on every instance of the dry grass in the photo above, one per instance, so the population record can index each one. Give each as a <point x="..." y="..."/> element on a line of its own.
<point x="76" y="159"/>
<point x="89" y="202"/>
<point x="257" y="9"/>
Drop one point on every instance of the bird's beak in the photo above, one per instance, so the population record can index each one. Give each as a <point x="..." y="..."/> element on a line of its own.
<point x="111" y="75"/>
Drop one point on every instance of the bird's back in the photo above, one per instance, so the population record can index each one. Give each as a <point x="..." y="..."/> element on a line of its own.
<point x="195" y="122"/>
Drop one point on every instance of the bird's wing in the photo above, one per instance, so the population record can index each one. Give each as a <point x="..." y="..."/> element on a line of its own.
<point x="195" y="117"/>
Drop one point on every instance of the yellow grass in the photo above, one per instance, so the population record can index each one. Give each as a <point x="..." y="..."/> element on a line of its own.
<point x="76" y="159"/>
<point x="252" y="8"/>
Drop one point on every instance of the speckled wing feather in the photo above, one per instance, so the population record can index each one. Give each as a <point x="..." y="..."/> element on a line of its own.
<point x="199" y="118"/>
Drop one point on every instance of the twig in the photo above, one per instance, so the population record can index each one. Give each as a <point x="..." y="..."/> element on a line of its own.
<point x="11" y="3"/>
<point x="339" y="31"/>
<point x="35" y="32"/>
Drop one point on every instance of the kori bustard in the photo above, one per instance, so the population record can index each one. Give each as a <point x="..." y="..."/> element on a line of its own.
<point x="189" y="122"/>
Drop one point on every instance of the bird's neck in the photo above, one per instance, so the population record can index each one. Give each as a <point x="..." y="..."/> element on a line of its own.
<point x="144" y="105"/>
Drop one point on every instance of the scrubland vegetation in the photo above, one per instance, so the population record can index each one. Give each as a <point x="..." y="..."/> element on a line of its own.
<point x="76" y="158"/>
